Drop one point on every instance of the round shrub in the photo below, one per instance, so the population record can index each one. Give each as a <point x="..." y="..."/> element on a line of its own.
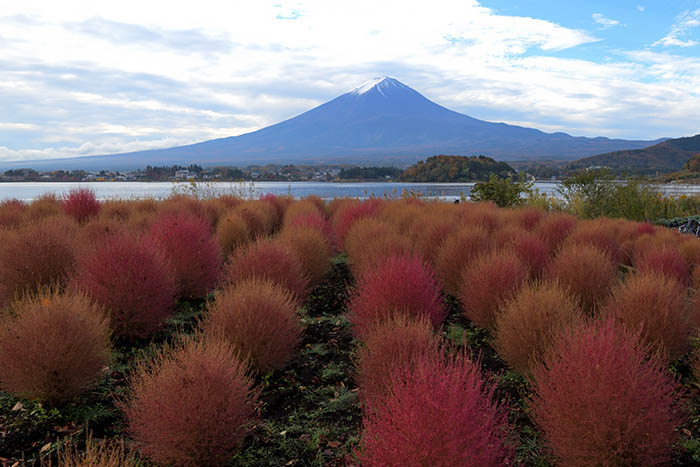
<point x="370" y="241"/>
<point x="528" y="217"/>
<point x="46" y="205"/>
<point x="396" y="341"/>
<point x="488" y="282"/>
<point x="657" y="306"/>
<point x="531" y="320"/>
<point x="131" y="279"/>
<point x="36" y="255"/>
<point x="399" y="285"/>
<point x="191" y="404"/>
<point x="599" y="233"/>
<point x="81" y="204"/>
<point x="11" y="212"/>
<point x="440" y="412"/>
<point x="431" y="238"/>
<point x="271" y="260"/>
<point x="52" y="346"/>
<point x="554" y="228"/>
<point x="312" y="249"/>
<point x="600" y="398"/>
<point x="192" y="254"/>
<point x="232" y="233"/>
<point x="586" y="271"/>
<point x="457" y="252"/>
<point x="258" y="318"/>
<point x="533" y="251"/>
<point x="314" y="221"/>
<point x="344" y="219"/>
<point x="97" y="230"/>
<point x="260" y="216"/>
<point x="665" y="260"/>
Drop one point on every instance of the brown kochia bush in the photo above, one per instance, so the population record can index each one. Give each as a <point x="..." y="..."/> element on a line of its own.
<point x="312" y="249"/>
<point x="440" y="412"/>
<point x="131" y="279"/>
<point x="657" y="306"/>
<point x="232" y="233"/>
<point x="554" y="228"/>
<point x="191" y="404"/>
<point x="586" y="271"/>
<point x="370" y="241"/>
<point x="665" y="260"/>
<point x="531" y="320"/>
<point x="600" y="398"/>
<point x="488" y="282"/>
<point x="457" y="252"/>
<point x="52" y="346"/>
<point x="258" y="318"/>
<point x="35" y="256"/>
<point x="399" y="340"/>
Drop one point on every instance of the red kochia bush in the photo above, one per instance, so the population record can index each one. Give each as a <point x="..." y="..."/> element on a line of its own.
<point x="586" y="271"/>
<point x="347" y="216"/>
<point x="370" y="241"/>
<point x="11" y="211"/>
<point x="191" y="404"/>
<point x="272" y="260"/>
<point x="401" y="284"/>
<point x="554" y="228"/>
<point x="81" y="204"/>
<point x="52" y="346"/>
<point x="258" y="318"/>
<point x="488" y="282"/>
<point x="399" y="340"/>
<point x="34" y="256"/>
<point x="314" y="221"/>
<point x="192" y="253"/>
<point x="533" y="251"/>
<point x="457" y="252"/>
<point x="531" y="320"/>
<point x="131" y="279"/>
<point x="440" y="412"/>
<point x="657" y="306"/>
<point x="602" y="399"/>
<point x="665" y="260"/>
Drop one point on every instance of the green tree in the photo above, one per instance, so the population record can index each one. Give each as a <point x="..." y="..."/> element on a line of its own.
<point x="504" y="191"/>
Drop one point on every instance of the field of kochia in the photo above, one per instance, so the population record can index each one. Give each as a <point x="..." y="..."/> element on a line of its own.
<point x="407" y="332"/>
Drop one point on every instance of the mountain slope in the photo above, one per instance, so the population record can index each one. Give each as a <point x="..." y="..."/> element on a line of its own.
<point x="667" y="156"/>
<point x="382" y="121"/>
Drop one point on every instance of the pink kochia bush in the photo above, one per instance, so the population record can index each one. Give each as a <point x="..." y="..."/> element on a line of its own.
<point x="602" y="399"/>
<point x="400" y="285"/>
<point x="191" y="404"/>
<point x="666" y="260"/>
<point x="81" y="204"/>
<point x="131" y="279"/>
<point x="440" y="412"/>
<point x="191" y="251"/>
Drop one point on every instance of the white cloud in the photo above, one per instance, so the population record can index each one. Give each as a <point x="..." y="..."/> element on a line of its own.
<point x="605" y="22"/>
<point x="685" y="22"/>
<point x="641" y="8"/>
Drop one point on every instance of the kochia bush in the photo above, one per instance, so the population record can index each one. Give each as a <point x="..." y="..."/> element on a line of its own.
<point x="231" y="233"/>
<point x="400" y="285"/>
<point x="191" y="251"/>
<point x="131" y="279"/>
<point x="601" y="399"/>
<point x="666" y="260"/>
<point x="191" y="404"/>
<point x="312" y="249"/>
<point x="439" y="412"/>
<point x="456" y="254"/>
<point x="258" y="318"/>
<point x="52" y="346"/>
<point x="81" y="204"/>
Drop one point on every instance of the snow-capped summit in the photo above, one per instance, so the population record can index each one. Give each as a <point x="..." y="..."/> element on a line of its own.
<point x="381" y="84"/>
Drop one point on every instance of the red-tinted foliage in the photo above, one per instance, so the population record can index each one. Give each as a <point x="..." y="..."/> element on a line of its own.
<point x="601" y="399"/>
<point x="507" y="235"/>
<point x="312" y="249"/>
<point x="192" y="253"/>
<point x="528" y="217"/>
<point x="370" y="241"/>
<point x="533" y="251"/>
<point x="645" y="228"/>
<point x="36" y="255"/>
<point x="345" y="218"/>
<point x="485" y="214"/>
<point x="586" y="271"/>
<point x="598" y="233"/>
<point x="46" y="205"/>
<point x="232" y="233"/>
<point x="456" y="254"/>
<point x="11" y="212"/>
<point x="192" y="404"/>
<point x="97" y="230"/>
<point x="302" y="207"/>
<point x="117" y="209"/>
<point x="271" y="260"/>
<point x="440" y="413"/>
<point x="52" y="346"/>
<point x="531" y="320"/>
<point x="260" y="216"/>
<point x="132" y="281"/>
<point x="401" y="284"/>
<point x="432" y="236"/>
<point x="656" y="305"/>
<point x="399" y="340"/>
<point x="259" y="320"/>
<point x="665" y="260"/>
<point x="81" y="204"/>
<point x="690" y="250"/>
<point x="280" y="203"/>
<point x="314" y="221"/>
<point x="488" y="282"/>
<point x="554" y="228"/>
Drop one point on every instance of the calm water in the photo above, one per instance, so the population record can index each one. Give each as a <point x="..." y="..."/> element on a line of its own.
<point x="28" y="191"/>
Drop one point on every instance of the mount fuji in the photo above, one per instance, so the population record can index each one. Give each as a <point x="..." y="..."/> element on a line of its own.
<point x="381" y="122"/>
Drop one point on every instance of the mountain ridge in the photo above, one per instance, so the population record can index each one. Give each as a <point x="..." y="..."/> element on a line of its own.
<point x="380" y="120"/>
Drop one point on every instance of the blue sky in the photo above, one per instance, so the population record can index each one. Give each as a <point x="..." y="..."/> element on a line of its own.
<point x="81" y="78"/>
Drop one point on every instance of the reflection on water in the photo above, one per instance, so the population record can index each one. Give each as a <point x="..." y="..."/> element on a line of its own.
<point x="28" y="191"/>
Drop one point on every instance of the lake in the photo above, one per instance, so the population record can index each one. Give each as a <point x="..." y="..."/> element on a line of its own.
<point x="28" y="191"/>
